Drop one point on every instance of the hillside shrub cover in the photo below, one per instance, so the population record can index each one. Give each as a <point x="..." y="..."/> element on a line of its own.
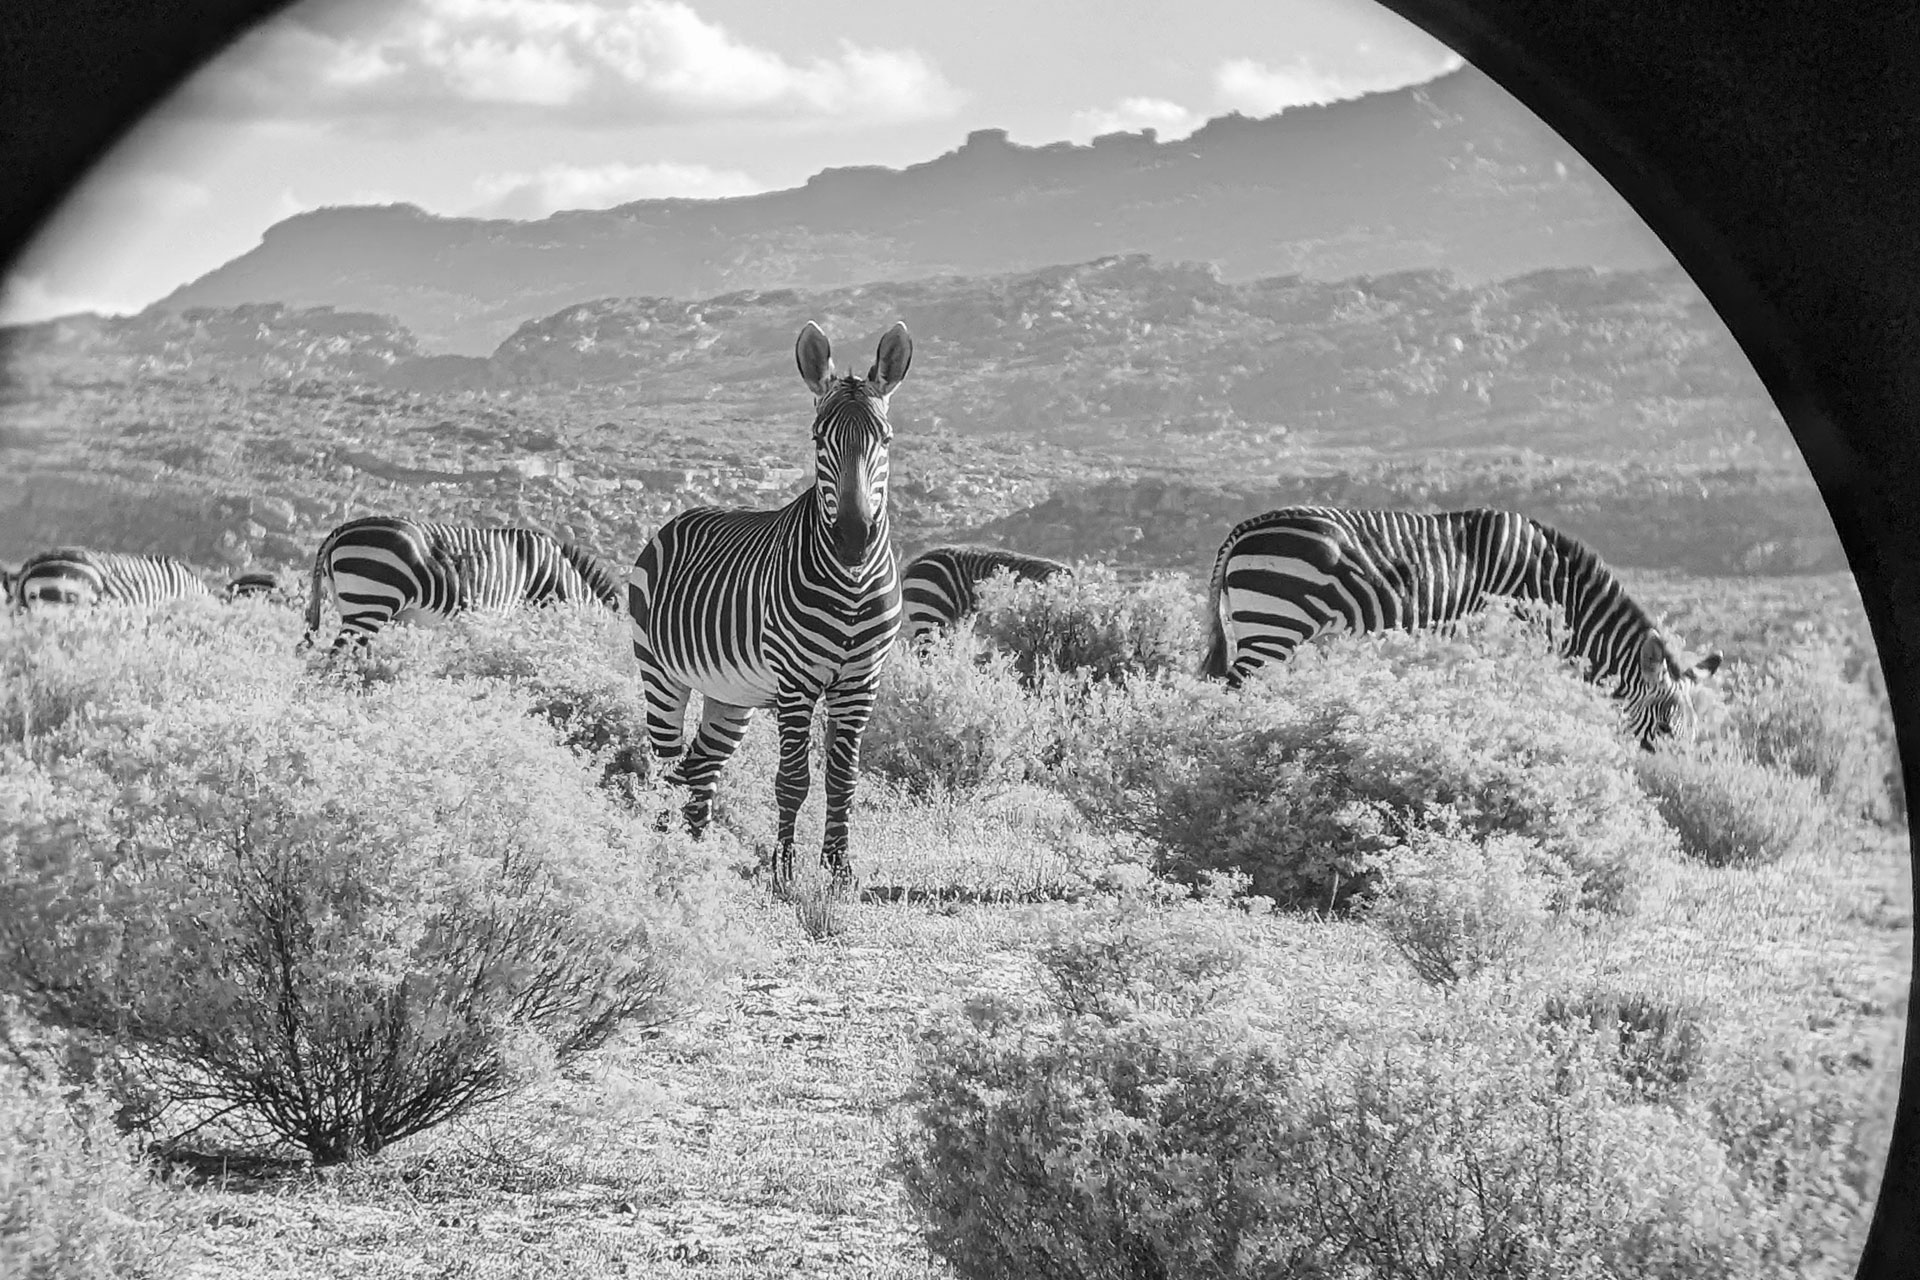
<point x="345" y="914"/>
<point x="1135" y="1123"/>
<point x="1306" y="777"/>
<point x="952" y="720"/>
<point x="77" y="1201"/>
<point x="1454" y="906"/>
<point x="1728" y="810"/>
<point x="1090" y="622"/>
<point x="1799" y="713"/>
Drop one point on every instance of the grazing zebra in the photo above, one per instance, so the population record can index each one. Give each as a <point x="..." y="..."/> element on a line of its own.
<point x="79" y="576"/>
<point x="378" y="568"/>
<point x="780" y="608"/>
<point x="1282" y="578"/>
<point x="263" y="585"/>
<point x="938" y="588"/>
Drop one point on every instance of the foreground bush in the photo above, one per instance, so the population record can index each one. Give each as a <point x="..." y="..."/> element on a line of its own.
<point x="573" y="663"/>
<point x="349" y="916"/>
<point x="1150" y="1127"/>
<point x="1089" y="622"/>
<point x="952" y="721"/>
<point x="1729" y="811"/>
<point x="1306" y="777"/>
<point x="1454" y="907"/>
<point x="76" y="1201"/>
<point x="1800" y="714"/>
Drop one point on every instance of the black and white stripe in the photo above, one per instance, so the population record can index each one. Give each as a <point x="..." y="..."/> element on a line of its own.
<point x="80" y="576"/>
<point x="940" y="586"/>
<point x="781" y="608"/>
<point x="1282" y="578"/>
<point x="379" y="568"/>
<point x="264" y="586"/>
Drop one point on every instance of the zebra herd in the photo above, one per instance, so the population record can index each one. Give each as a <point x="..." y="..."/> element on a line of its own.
<point x="796" y="607"/>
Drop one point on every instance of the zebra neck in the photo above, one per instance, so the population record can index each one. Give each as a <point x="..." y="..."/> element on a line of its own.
<point x="814" y="532"/>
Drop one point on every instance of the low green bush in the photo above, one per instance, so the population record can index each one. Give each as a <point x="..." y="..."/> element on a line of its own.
<point x="1090" y="622"/>
<point x="348" y="915"/>
<point x="1308" y="775"/>
<point x="77" y="1201"/>
<point x="949" y="720"/>
<point x="1729" y="811"/>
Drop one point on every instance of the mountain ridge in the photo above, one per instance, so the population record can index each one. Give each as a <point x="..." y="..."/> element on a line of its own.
<point x="1449" y="174"/>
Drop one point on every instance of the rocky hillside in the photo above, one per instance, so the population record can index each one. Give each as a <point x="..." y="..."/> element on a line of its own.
<point x="1121" y="410"/>
<point x="1451" y="174"/>
<point x="1122" y="360"/>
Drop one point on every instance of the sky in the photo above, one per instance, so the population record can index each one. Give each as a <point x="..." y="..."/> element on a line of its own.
<point x="519" y="108"/>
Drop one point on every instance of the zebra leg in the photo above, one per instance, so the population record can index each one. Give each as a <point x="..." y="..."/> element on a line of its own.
<point x="848" y="711"/>
<point x="790" y="784"/>
<point x="721" y="726"/>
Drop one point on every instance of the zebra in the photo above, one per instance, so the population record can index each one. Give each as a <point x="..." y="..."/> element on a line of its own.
<point x="781" y="608"/>
<point x="263" y="585"/>
<point x="1284" y="577"/>
<point x="939" y="587"/>
<point x="379" y="568"/>
<point x="82" y="576"/>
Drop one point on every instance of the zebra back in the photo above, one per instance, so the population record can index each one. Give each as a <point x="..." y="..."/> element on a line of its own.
<point x="940" y="586"/>
<point x="81" y="575"/>
<point x="1298" y="571"/>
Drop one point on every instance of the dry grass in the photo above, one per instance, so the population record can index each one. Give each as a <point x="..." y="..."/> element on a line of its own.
<point x="752" y="1139"/>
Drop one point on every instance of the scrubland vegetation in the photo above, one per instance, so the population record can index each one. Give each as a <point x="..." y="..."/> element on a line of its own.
<point x="1399" y="962"/>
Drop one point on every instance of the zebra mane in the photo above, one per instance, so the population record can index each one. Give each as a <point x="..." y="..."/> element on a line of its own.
<point x="1585" y="565"/>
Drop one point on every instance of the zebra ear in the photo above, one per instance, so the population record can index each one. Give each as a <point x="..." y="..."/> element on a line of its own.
<point x="1705" y="667"/>
<point x="814" y="354"/>
<point x="891" y="361"/>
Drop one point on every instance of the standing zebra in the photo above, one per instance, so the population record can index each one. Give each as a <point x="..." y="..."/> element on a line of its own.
<point x="939" y="587"/>
<point x="77" y="576"/>
<point x="780" y="608"/>
<point x="1282" y="578"/>
<point x="378" y="568"/>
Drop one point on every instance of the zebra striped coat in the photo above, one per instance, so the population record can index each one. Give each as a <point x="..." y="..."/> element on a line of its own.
<point x="78" y="575"/>
<point x="782" y="609"/>
<point x="1284" y="577"/>
<point x="939" y="587"/>
<point x="263" y="585"/>
<point x="379" y="568"/>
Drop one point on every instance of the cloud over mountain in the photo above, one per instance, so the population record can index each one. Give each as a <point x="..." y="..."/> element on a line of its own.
<point x="602" y="63"/>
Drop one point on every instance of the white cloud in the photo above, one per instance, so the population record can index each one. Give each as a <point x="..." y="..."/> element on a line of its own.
<point x="1256" y="89"/>
<point x="589" y="62"/>
<point x="560" y="186"/>
<point x="1169" y="120"/>
<point x="26" y="299"/>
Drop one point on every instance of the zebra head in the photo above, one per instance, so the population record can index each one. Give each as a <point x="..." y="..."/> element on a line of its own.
<point x="1659" y="691"/>
<point x="851" y="435"/>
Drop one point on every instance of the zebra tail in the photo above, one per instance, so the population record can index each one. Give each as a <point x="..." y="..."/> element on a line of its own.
<point x="313" y="601"/>
<point x="1214" y="665"/>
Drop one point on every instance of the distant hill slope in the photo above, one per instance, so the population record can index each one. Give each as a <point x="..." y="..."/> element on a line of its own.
<point x="1452" y="174"/>
<point x="1122" y="360"/>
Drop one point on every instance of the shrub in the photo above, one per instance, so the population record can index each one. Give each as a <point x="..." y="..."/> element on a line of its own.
<point x="1183" y="1133"/>
<point x="573" y="663"/>
<point x="58" y="668"/>
<point x="1454" y="906"/>
<point x="349" y="916"/>
<point x="1310" y="773"/>
<point x="1654" y="1044"/>
<point x="952" y="721"/>
<point x="76" y="1200"/>
<point x="1090" y="622"/>
<point x="1729" y="811"/>
<point x="1800" y="714"/>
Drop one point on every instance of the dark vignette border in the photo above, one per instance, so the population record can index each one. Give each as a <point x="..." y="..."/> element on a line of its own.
<point x="1774" y="145"/>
